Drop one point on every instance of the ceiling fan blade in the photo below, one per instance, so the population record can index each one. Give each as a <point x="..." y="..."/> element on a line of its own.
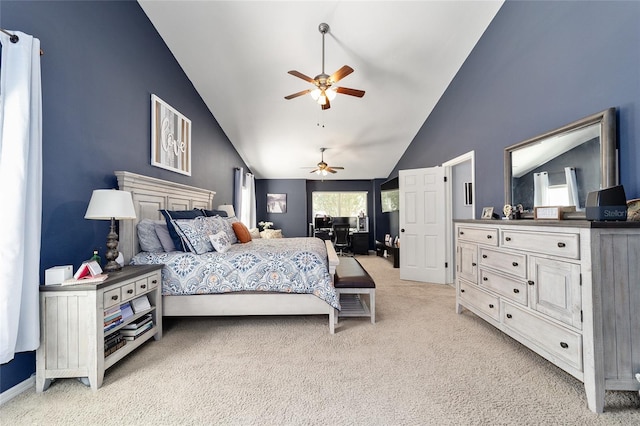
<point x="302" y="76"/>
<point x="313" y="171"/>
<point x="351" y="92"/>
<point x="295" y="95"/>
<point x="337" y="167"/>
<point x="330" y="170"/>
<point x="341" y="73"/>
<point x="327" y="105"/>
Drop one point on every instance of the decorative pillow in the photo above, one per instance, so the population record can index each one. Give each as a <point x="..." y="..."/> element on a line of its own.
<point x="271" y="233"/>
<point x="195" y="233"/>
<point x="255" y="233"/>
<point x="163" y="235"/>
<point x="211" y="213"/>
<point x="147" y="237"/>
<point x="242" y="232"/>
<point x="170" y="215"/>
<point x="228" y="227"/>
<point x="220" y="241"/>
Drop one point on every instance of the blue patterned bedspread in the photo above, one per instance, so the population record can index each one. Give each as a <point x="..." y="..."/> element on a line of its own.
<point x="286" y="265"/>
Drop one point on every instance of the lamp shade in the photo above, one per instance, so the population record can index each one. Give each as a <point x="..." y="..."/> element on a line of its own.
<point x="110" y="203"/>
<point x="227" y="208"/>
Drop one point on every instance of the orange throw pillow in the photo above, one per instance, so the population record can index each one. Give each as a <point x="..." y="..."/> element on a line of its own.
<point x="242" y="232"/>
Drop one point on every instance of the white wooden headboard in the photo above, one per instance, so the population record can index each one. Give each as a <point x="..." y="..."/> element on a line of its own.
<point x="150" y="195"/>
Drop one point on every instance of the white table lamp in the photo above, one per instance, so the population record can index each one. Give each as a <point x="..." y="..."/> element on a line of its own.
<point x="111" y="204"/>
<point x="227" y="208"/>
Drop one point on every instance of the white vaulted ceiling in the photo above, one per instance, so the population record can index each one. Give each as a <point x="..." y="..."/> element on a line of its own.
<point x="237" y="54"/>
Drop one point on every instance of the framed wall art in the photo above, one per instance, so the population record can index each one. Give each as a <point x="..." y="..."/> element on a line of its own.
<point x="276" y="203"/>
<point x="170" y="138"/>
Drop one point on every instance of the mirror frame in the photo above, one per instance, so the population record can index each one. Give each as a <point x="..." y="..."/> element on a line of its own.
<point x="608" y="152"/>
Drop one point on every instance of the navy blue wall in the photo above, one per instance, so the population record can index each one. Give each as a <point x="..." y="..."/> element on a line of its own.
<point x="293" y="223"/>
<point x="102" y="62"/>
<point x="539" y="65"/>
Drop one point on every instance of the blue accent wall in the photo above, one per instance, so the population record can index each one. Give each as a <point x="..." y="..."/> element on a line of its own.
<point x="102" y="62"/>
<point x="538" y="66"/>
<point x="293" y="223"/>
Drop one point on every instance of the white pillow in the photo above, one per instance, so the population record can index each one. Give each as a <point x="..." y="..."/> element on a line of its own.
<point x="220" y="241"/>
<point x="271" y="233"/>
<point x="255" y="233"/>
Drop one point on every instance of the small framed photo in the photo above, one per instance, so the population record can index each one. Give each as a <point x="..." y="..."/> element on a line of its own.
<point x="276" y="203"/>
<point x="548" y="212"/>
<point x="487" y="213"/>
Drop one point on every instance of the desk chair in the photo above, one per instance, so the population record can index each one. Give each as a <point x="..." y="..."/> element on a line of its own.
<point x="341" y="238"/>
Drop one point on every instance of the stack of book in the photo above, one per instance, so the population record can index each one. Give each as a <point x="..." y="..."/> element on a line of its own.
<point x="112" y="318"/>
<point x="112" y="343"/>
<point x="135" y="329"/>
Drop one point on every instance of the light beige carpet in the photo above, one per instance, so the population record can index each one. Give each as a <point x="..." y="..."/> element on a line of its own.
<point x="421" y="364"/>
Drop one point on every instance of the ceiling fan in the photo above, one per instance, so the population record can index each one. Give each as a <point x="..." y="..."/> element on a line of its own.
<point x="323" y="168"/>
<point x="325" y="91"/>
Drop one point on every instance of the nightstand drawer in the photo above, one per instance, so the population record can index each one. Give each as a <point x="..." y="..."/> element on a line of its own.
<point x="128" y="291"/>
<point x="111" y="297"/>
<point x="142" y="286"/>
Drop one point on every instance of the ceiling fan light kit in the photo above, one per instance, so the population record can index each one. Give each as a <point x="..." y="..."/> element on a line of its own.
<point x="323" y="168"/>
<point x="325" y="92"/>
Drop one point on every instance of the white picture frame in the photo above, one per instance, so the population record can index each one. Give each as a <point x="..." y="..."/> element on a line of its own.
<point x="170" y="138"/>
<point x="487" y="213"/>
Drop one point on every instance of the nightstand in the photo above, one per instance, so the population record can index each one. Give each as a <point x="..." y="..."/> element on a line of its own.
<point x="72" y="323"/>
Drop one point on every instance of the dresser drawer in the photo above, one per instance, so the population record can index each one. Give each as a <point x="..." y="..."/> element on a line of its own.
<point x="551" y="243"/>
<point x="487" y="236"/>
<point x="483" y="301"/>
<point x="111" y="297"/>
<point x="511" y="288"/>
<point x="554" y="339"/>
<point x="511" y="263"/>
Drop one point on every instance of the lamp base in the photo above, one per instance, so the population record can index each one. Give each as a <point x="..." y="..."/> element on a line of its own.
<point x="112" y="249"/>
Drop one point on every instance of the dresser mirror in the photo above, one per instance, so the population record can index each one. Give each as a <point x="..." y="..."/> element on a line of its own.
<point x="560" y="167"/>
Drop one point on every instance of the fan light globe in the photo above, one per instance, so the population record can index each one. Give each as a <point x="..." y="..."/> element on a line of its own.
<point x="315" y="94"/>
<point x="331" y="93"/>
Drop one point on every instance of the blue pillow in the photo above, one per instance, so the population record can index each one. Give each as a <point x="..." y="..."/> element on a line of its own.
<point x="210" y="213"/>
<point x="169" y="215"/>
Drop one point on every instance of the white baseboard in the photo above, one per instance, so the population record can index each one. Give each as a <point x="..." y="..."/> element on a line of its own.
<point x="11" y="393"/>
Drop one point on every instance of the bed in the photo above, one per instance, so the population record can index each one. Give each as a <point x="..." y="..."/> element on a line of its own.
<point x="150" y="195"/>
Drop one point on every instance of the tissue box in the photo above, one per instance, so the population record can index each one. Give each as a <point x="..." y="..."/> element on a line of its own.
<point x="57" y="274"/>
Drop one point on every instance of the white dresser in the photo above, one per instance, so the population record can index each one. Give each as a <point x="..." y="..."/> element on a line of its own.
<point x="568" y="290"/>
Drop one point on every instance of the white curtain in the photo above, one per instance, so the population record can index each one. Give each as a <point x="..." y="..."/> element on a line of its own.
<point x="21" y="194"/>
<point x="245" y="197"/>
<point x="540" y="189"/>
<point x="572" y="187"/>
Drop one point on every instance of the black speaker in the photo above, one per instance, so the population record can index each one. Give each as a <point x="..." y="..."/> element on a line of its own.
<point x="607" y="204"/>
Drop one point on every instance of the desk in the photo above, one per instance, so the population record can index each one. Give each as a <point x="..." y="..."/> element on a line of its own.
<point x="359" y="240"/>
<point x="393" y="252"/>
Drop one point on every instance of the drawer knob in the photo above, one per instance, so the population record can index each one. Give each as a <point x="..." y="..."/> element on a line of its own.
<point x="491" y="305"/>
<point x="489" y="236"/>
<point x="530" y="282"/>
<point x="474" y="264"/>
<point x="514" y="263"/>
<point x="561" y="245"/>
<point x="516" y="291"/>
<point x="154" y="282"/>
<point x="462" y="290"/>
<point x="461" y="233"/>
<point x="130" y="291"/>
<point x="114" y="297"/>
<point x="508" y="238"/>
<point x="485" y="279"/>
<point x="484" y="256"/>
<point x="509" y="316"/>
<point x="143" y="286"/>
<point x="563" y="345"/>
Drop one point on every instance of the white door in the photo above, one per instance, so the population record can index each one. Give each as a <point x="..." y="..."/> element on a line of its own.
<point x="422" y="225"/>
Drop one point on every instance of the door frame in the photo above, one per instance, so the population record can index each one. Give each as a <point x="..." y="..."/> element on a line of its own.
<point x="448" y="214"/>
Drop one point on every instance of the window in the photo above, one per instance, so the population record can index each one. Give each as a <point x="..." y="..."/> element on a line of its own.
<point x="339" y="204"/>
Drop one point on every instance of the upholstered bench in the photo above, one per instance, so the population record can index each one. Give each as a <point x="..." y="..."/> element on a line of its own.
<point x="353" y="281"/>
